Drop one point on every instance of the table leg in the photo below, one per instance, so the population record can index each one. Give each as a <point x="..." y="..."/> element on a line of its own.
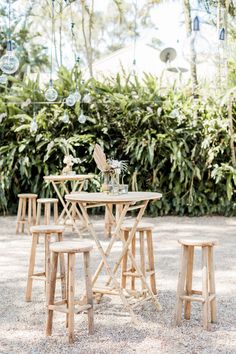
<point x="104" y="259"/>
<point x="65" y="208"/>
<point x="125" y="249"/>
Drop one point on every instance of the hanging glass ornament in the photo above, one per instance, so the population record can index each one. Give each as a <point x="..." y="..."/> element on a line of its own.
<point x="77" y="95"/>
<point x="9" y="63"/>
<point x="70" y="100"/>
<point x="65" y="118"/>
<point x="196" y="48"/>
<point x="51" y="94"/>
<point x="3" y="79"/>
<point x="34" y="125"/>
<point x="82" y="118"/>
<point x="87" y="98"/>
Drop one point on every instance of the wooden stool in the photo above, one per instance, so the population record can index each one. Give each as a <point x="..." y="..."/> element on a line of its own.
<point x="47" y="202"/>
<point x="25" y="198"/>
<point x="68" y="305"/>
<point x="184" y="290"/>
<point x="144" y="230"/>
<point x="47" y="231"/>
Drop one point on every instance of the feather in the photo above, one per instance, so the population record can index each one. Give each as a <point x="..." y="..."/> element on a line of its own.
<point x="100" y="158"/>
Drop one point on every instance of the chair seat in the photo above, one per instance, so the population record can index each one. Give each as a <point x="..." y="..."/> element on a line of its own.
<point x="27" y="195"/>
<point x="47" y="200"/>
<point x="47" y="228"/>
<point x="142" y="226"/>
<point x="71" y="247"/>
<point x="198" y="242"/>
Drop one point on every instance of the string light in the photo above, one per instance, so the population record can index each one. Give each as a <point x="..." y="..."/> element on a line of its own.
<point x="51" y="94"/>
<point x="9" y="63"/>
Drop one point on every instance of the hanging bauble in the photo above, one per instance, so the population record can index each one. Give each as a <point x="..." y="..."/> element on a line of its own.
<point x="51" y="94"/>
<point x="196" y="48"/>
<point x="9" y="63"/>
<point x="82" y="118"/>
<point x="34" y="125"/>
<point x="70" y="100"/>
<point x="3" y="79"/>
<point x="87" y="98"/>
<point x="65" y="118"/>
<point x="77" y="95"/>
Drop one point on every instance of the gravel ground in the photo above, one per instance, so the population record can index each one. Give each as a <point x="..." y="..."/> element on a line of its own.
<point x="22" y="324"/>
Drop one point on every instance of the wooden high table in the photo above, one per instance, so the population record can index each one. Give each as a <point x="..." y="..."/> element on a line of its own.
<point x="77" y="184"/>
<point x="127" y="202"/>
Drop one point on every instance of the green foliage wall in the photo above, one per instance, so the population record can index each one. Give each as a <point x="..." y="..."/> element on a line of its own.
<point x="173" y="143"/>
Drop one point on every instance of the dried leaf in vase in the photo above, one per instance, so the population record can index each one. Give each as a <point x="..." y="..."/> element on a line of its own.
<point x="100" y="158"/>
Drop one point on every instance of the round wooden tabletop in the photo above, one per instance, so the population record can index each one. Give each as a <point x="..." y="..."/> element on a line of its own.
<point x="113" y="199"/>
<point x="58" y="178"/>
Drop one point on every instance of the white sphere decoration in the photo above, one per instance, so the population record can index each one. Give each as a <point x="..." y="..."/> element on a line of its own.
<point x="70" y="100"/>
<point x="33" y="126"/>
<point x="82" y="118"/>
<point x="65" y="118"/>
<point x="196" y="48"/>
<point x="51" y="94"/>
<point x="9" y="63"/>
<point x="3" y="79"/>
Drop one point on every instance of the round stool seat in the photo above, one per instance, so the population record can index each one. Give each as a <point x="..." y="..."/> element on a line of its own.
<point x="47" y="200"/>
<point x="47" y="228"/>
<point x="27" y="195"/>
<point x="142" y="226"/>
<point x="198" y="242"/>
<point x="71" y="247"/>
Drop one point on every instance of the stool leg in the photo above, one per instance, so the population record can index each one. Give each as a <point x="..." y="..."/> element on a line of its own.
<point x="55" y="212"/>
<point x="71" y="305"/>
<point x="47" y="213"/>
<point x="212" y="283"/>
<point x="124" y="263"/>
<point x="23" y="214"/>
<point x="29" y="213"/>
<point x="142" y="256"/>
<point x="34" y="211"/>
<point x="38" y="214"/>
<point x="151" y="262"/>
<point x="189" y="278"/>
<point x="47" y="265"/>
<point x="19" y="213"/>
<point x="89" y="291"/>
<point x="31" y="267"/>
<point x="51" y="296"/>
<point x="181" y="282"/>
<point x="62" y="269"/>
<point x="205" y="287"/>
<point x="67" y="289"/>
<point x="133" y="250"/>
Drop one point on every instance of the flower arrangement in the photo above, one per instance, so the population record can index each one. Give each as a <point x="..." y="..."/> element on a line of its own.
<point x="111" y="170"/>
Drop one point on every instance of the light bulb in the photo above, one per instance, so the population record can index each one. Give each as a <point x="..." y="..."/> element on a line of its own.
<point x="51" y="94"/>
<point x="3" y="79"/>
<point x="82" y="118"/>
<point x="9" y="63"/>
<point x="65" y="118"/>
<point x="77" y="95"/>
<point x="196" y="48"/>
<point x="33" y="126"/>
<point x="70" y="100"/>
<point x="87" y="98"/>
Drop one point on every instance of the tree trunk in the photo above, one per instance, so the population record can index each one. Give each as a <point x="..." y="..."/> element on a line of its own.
<point x="87" y="42"/>
<point x="188" y="25"/>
